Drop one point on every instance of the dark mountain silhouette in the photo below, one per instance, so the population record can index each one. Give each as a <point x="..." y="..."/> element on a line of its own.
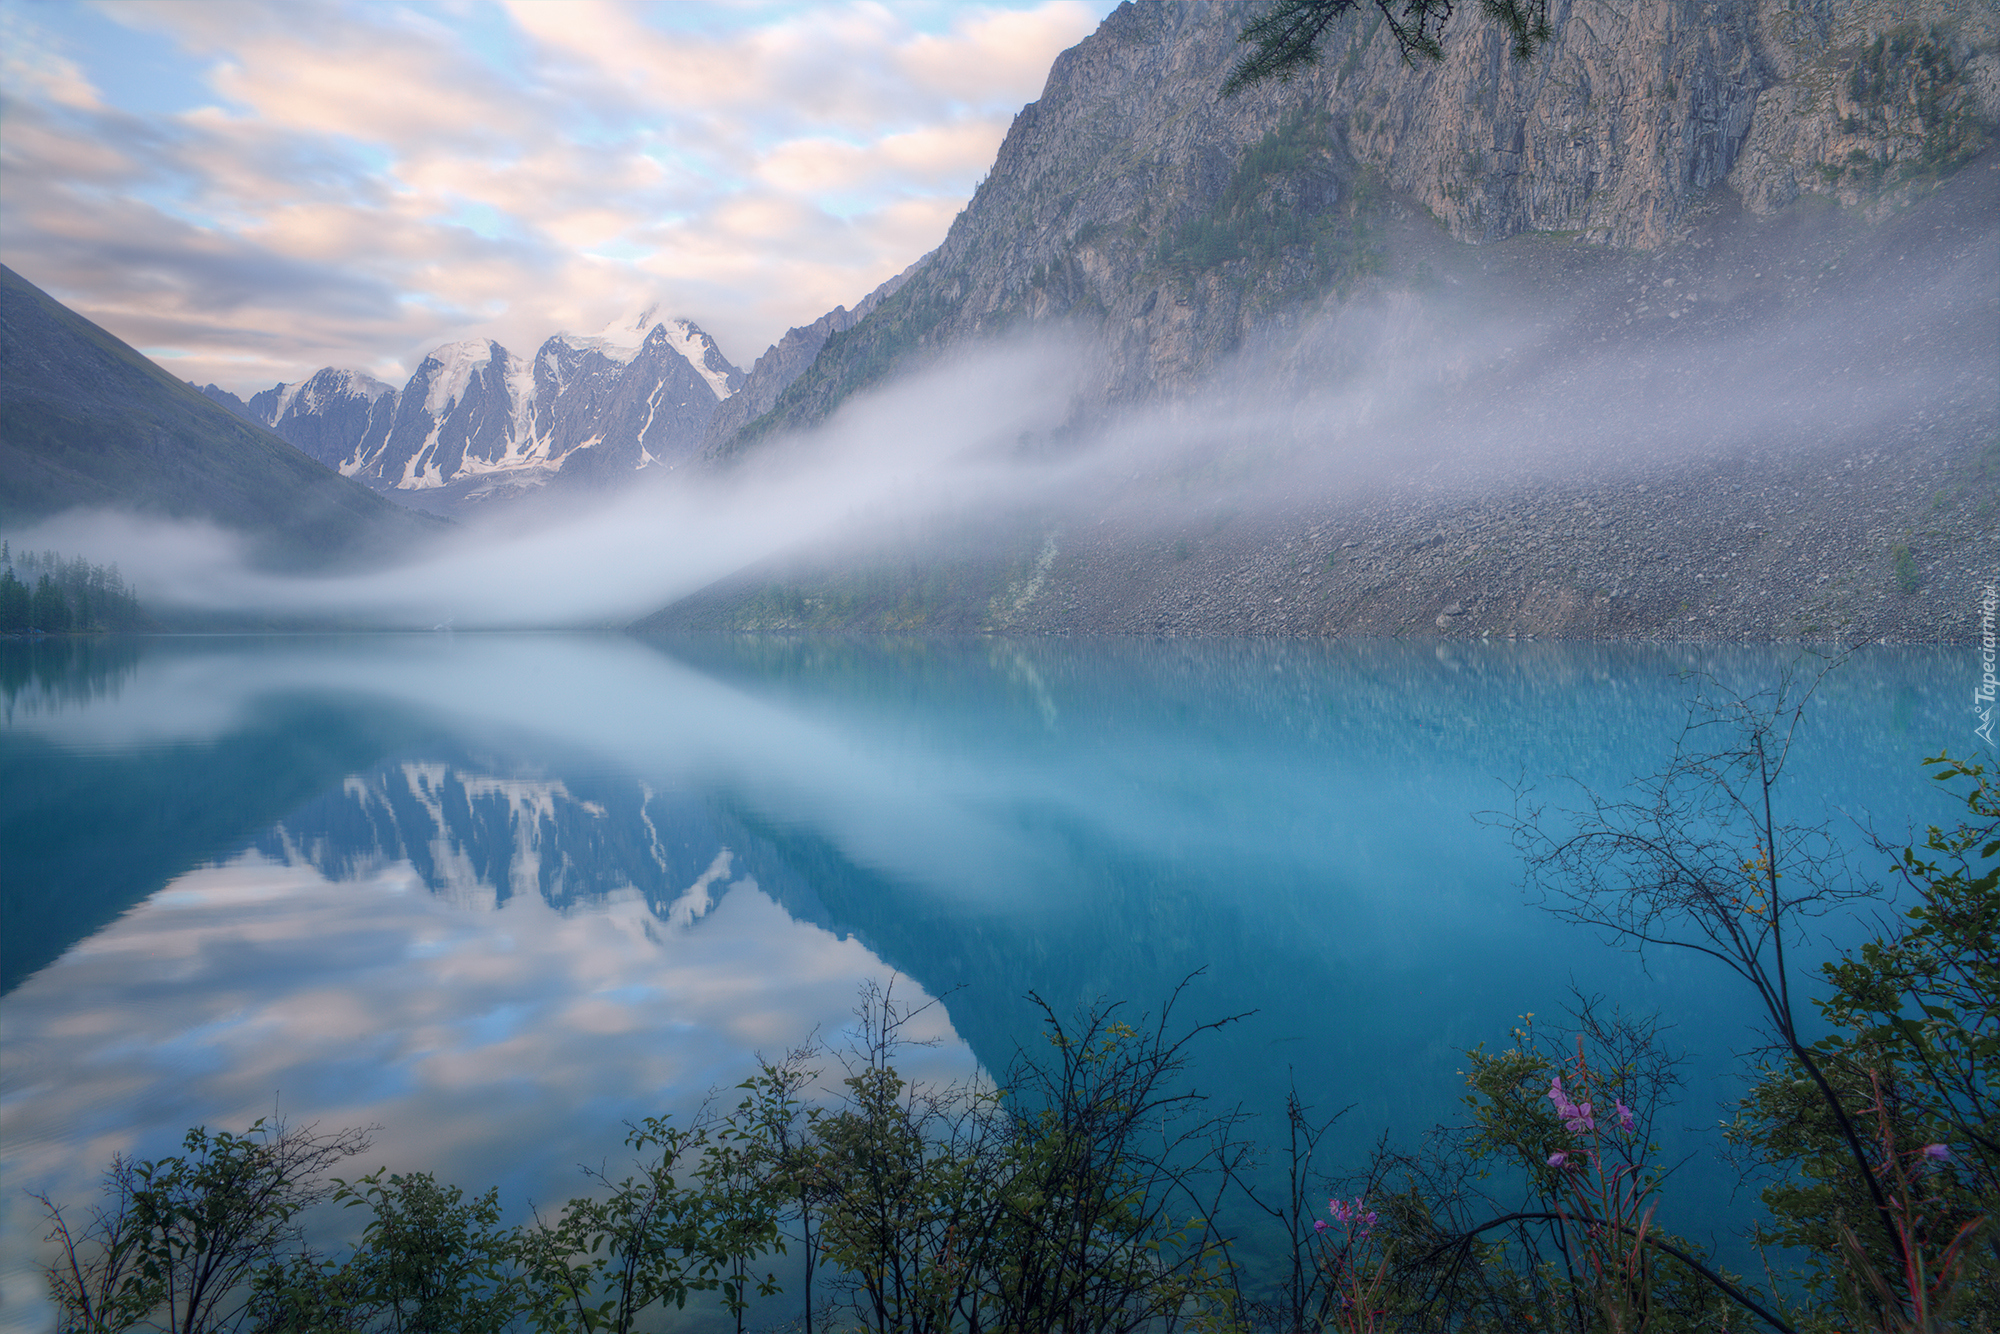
<point x="86" y="421"/>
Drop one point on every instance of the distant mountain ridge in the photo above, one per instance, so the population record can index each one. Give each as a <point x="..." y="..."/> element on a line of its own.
<point x="790" y="357"/>
<point x="88" y="422"/>
<point x="475" y="421"/>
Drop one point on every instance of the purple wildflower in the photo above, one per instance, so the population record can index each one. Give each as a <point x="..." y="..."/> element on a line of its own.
<point x="1936" y="1153"/>
<point x="1576" y="1116"/>
<point x="1319" y="1225"/>
<point x="1558" y="1159"/>
<point x="1624" y="1117"/>
<point x="1345" y="1211"/>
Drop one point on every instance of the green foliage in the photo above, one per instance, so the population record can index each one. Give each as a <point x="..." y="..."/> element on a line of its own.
<point x="1285" y="38"/>
<point x="911" y="1182"/>
<point x="1087" y="1194"/>
<point x="430" y="1261"/>
<point x="1928" y="997"/>
<point x="1068" y="1203"/>
<point x="1572" y="1116"/>
<point x="649" y="1240"/>
<point x="1073" y="1202"/>
<point x="1908" y="579"/>
<point x="16" y="605"/>
<point x="1107" y="1223"/>
<point x="181" y="1237"/>
<point x="49" y="611"/>
<point x="750" y="1172"/>
<point x="1916" y="1044"/>
<point x="1538" y="1212"/>
<point x="1908" y="67"/>
<point x="1698" y="860"/>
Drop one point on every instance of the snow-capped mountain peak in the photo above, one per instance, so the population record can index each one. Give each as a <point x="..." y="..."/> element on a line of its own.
<point x="611" y="349"/>
<point x="360" y="383"/>
<point x="455" y="364"/>
<point x="619" y="339"/>
<point x="700" y="352"/>
<point x="476" y="420"/>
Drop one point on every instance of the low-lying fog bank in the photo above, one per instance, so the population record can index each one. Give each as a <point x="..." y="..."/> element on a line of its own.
<point x="1779" y="429"/>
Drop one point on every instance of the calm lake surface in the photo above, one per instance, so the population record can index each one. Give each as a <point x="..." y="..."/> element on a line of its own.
<point x="500" y="894"/>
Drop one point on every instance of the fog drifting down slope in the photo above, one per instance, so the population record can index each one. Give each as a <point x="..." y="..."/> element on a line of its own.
<point x="1456" y="391"/>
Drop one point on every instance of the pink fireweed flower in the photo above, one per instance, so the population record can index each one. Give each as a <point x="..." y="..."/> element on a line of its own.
<point x="1319" y="1225"/>
<point x="1345" y="1211"/>
<point x="1936" y="1153"/>
<point x="1624" y="1117"/>
<point x="1558" y="1159"/>
<point x="1576" y="1116"/>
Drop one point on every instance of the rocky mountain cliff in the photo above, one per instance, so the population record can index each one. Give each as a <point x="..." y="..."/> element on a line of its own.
<point x="1740" y="253"/>
<point x="1175" y="223"/>
<point x="324" y="414"/>
<point x="476" y="422"/>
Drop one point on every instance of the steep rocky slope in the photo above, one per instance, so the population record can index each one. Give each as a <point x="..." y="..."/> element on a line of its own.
<point x="325" y="415"/>
<point x="1705" y="295"/>
<point x="1858" y="498"/>
<point x="786" y="360"/>
<point x="1175" y="223"/>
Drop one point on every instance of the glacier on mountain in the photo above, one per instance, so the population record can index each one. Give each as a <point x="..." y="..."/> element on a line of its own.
<point x="475" y="421"/>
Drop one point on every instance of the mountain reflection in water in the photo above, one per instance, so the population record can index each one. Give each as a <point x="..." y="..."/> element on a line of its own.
<point x="499" y="894"/>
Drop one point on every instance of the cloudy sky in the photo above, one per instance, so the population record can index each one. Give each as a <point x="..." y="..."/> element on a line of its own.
<point x="248" y="191"/>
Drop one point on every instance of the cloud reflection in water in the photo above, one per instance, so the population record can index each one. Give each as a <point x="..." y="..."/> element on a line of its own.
<point x="500" y="1046"/>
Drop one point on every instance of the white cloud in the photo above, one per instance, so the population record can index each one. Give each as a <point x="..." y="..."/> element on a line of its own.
<point x="992" y="53"/>
<point x="931" y="153"/>
<point x="36" y="72"/>
<point x="352" y="184"/>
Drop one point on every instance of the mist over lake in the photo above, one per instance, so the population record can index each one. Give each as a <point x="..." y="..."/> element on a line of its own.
<point x="499" y="894"/>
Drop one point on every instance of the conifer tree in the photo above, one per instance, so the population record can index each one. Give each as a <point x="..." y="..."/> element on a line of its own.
<point x="15" y="603"/>
<point x="1286" y="36"/>
<point x="50" y="612"/>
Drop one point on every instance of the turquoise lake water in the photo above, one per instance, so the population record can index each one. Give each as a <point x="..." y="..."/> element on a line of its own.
<point x="499" y="894"/>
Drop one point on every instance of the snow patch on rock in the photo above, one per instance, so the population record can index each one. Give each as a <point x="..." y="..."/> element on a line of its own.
<point x="694" y="347"/>
<point x="456" y="363"/>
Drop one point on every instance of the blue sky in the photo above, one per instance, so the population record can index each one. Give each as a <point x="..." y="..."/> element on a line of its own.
<point x="249" y="191"/>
